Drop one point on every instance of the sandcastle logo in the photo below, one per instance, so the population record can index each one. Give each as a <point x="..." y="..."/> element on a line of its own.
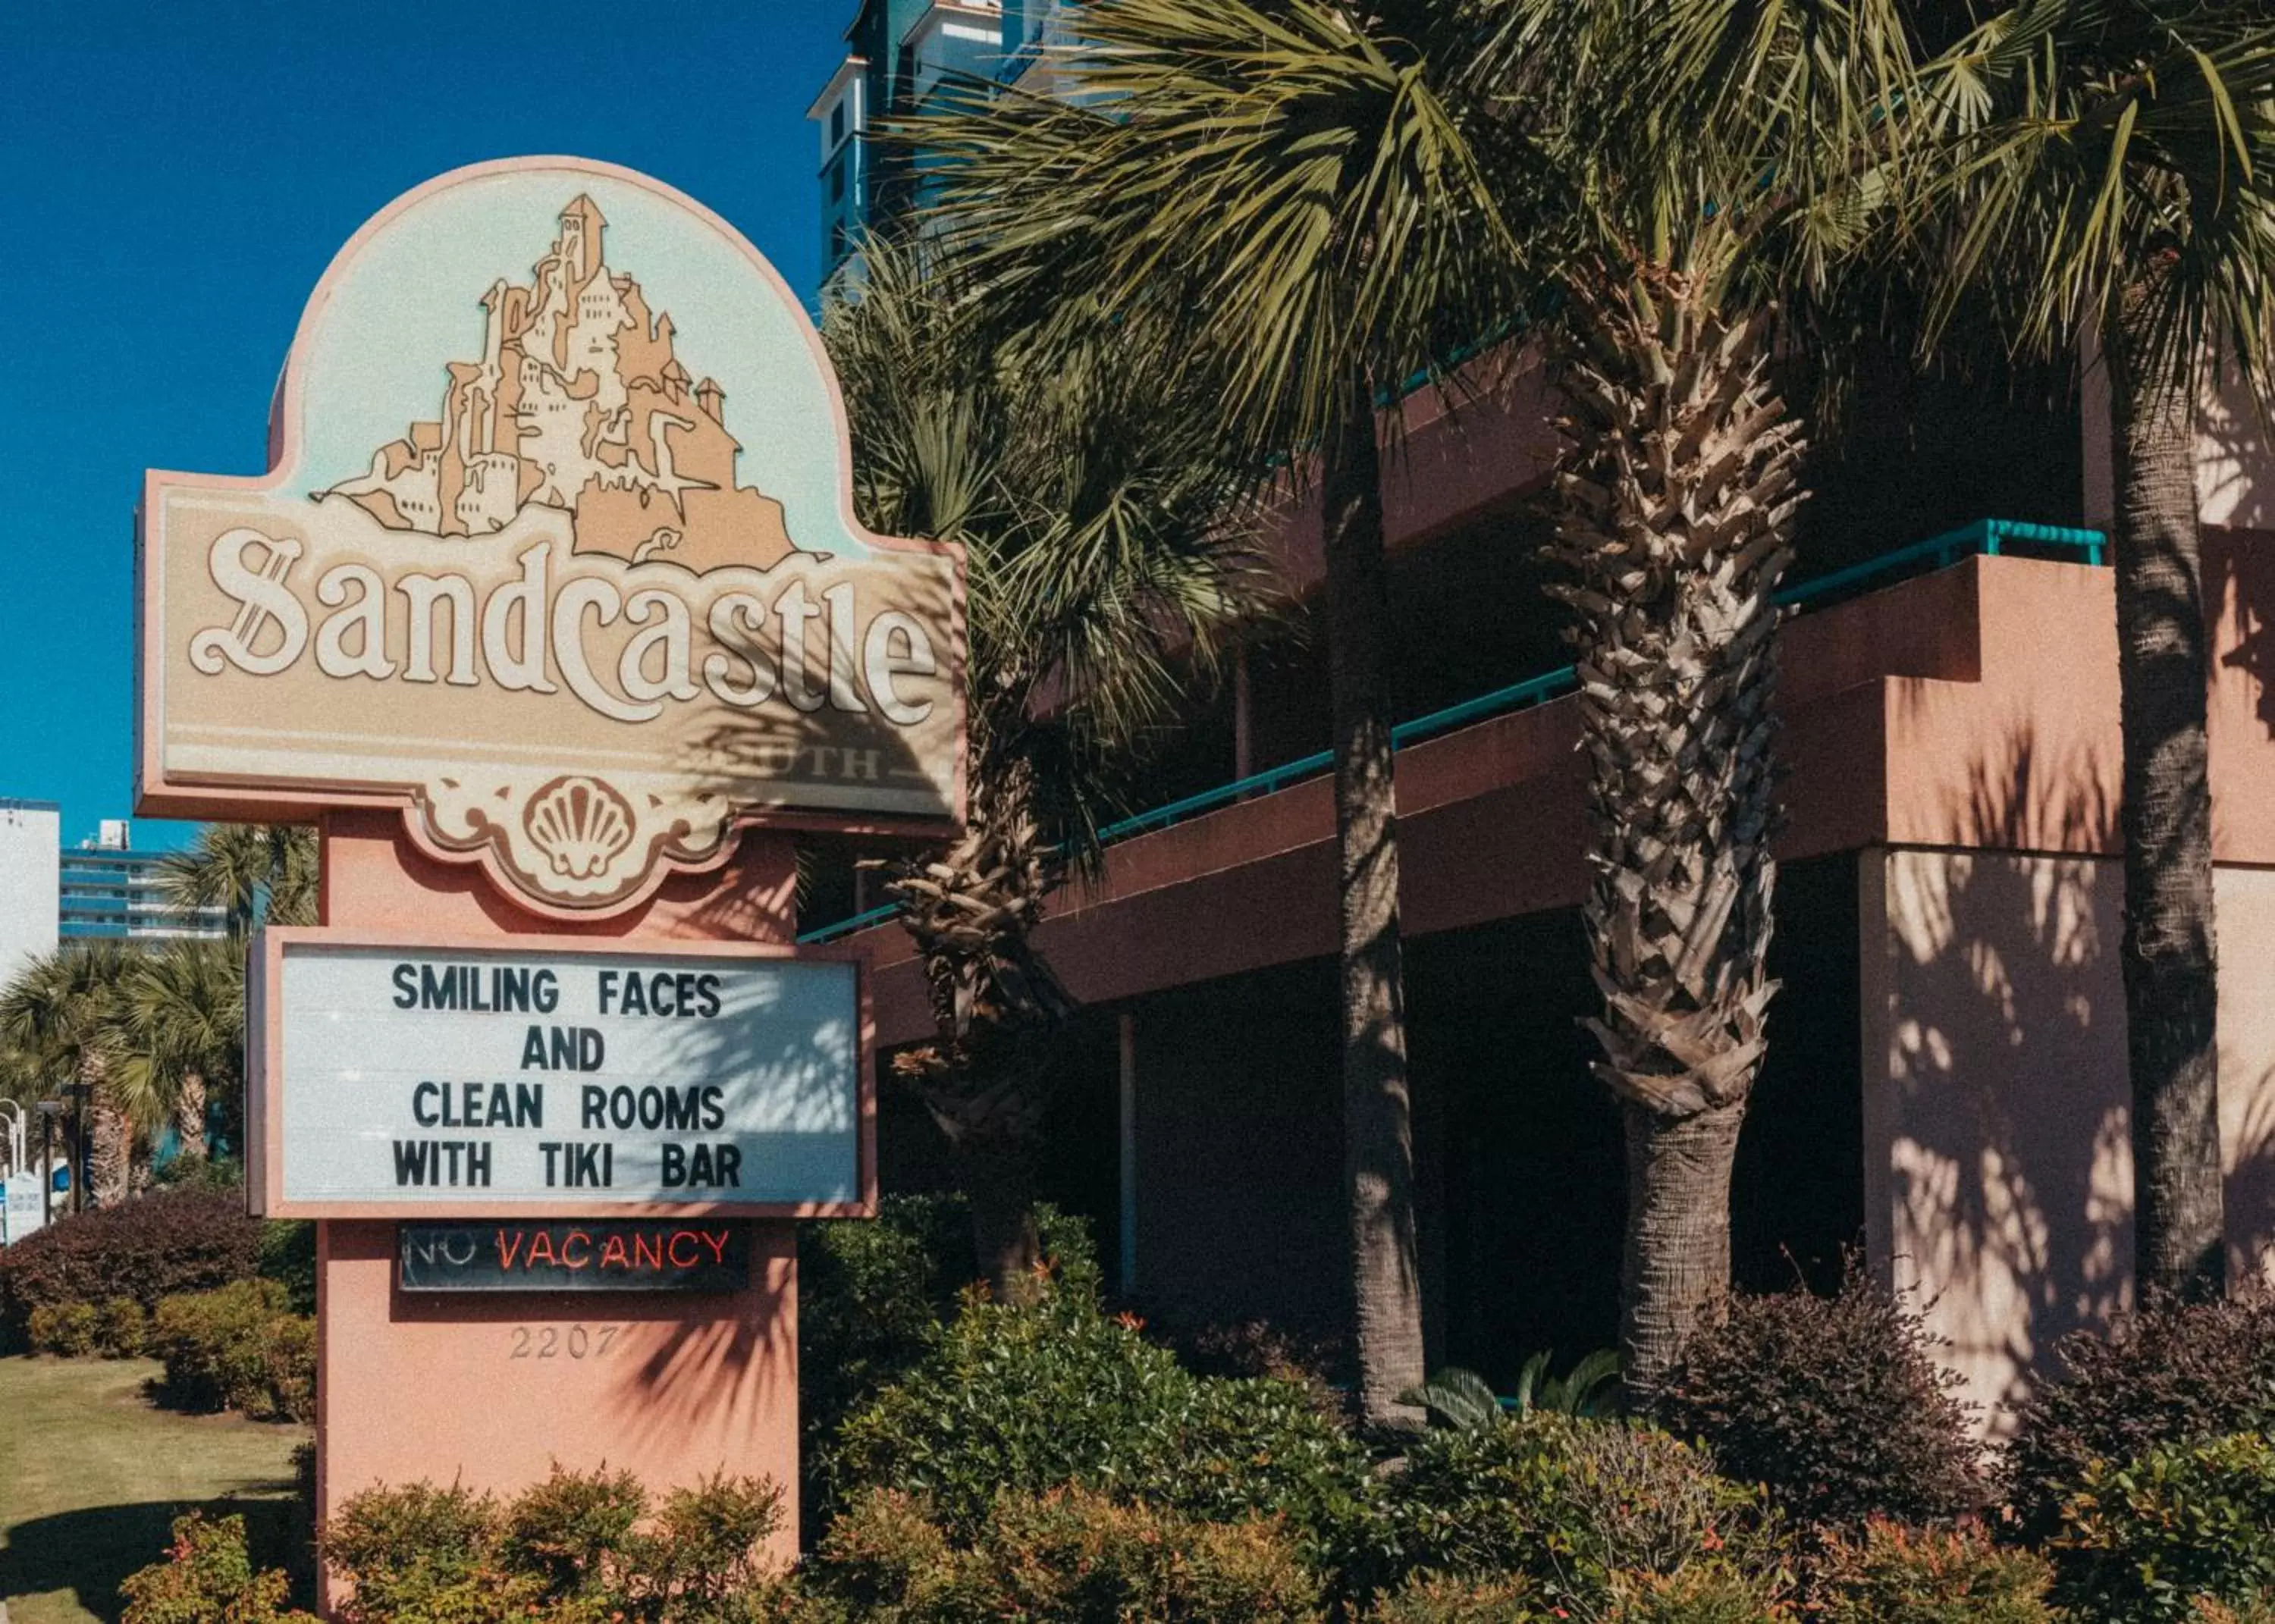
<point x="577" y="402"/>
<point x="570" y="621"/>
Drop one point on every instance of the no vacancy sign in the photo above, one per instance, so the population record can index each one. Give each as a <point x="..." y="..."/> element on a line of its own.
<point x="555" y="1077"/>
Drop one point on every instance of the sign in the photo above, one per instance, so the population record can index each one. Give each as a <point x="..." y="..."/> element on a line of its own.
<point x="551" y="1077"/>
<point x="22" y="1206"/>
<point x="556" y="552"/>
<point x="639" y="1256"/>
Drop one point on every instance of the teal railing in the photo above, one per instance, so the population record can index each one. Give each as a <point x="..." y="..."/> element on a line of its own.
<point x="1991" y="536"/>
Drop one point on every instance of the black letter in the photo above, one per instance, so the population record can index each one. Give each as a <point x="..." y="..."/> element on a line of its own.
<point x="420" y="1110"/>
<point x="546" y="990"/>
<point x="593" y="1109"/>
<point x="532" y="1049"/>
<point x="412" y="1161"/>
<point x="407" y="986"/>
<point x="708" y="988"/>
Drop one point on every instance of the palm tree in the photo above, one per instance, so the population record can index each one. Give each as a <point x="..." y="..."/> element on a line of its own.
<point x="1296" y="185"/>
<point x="61" y="1015"/>
<point x="252" y="872"/>
<point x="2107" y="180"/>
<point x="1712" y="160"/>
<point x="1089" y="497"/>
<point x="181" y="1018"/>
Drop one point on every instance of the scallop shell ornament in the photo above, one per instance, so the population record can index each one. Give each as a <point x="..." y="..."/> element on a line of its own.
<point x="580" y="824"/>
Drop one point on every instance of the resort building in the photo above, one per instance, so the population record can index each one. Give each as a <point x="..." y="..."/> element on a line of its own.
<point x="1946" y="1082"/>
<point x="105" y="889"/>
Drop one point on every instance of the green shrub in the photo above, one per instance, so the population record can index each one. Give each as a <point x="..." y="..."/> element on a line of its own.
<point x="288" y="1256"/>
<point x="578" y="1547"/>
<point x="571" y="1530"/>
<point x="708" y="1543"/>
<point x="2141" y="1541"/>
<point x="872" y="1295"/>
<point x="1433" y="1598"/>
<point x="420" y="1552"/>
<point x="1836" y="1405"/>
<point x="67" y="1330"/>
<point x="1892" y="1575"/>
<point x="239" y="1347"/>
<point x="157" y="1245"/>
<point x="122" y="1329"/>
<point x="219" y="1175"/>
<point x="1067" y="1557"/>
<point x="1029" y="1399"/>
<point x="1564" y="1502"/>
<point x="208" y="1578"/>
<point x="1712" y="1593"/>
<point x="2170" y="1372"/>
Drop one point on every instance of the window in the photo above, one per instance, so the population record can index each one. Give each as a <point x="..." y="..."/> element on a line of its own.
<point x="837" y="124"/>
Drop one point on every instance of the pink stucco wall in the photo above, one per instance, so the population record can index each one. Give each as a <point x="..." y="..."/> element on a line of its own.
<point x="491" y="1390"/>
<point x="1998" y="1180"/>
<point x="1960" y="731"/>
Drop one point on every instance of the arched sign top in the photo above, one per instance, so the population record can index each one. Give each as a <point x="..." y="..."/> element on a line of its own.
<point x="557" y="550"/>
<point x="552" y="275"/>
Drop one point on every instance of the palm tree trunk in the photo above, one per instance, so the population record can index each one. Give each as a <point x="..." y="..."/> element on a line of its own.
<point x="2169" y="952"/>
<point x="1675" y="513"/>
<point x="112" y="1159"/>
<point x="1676" y="1260"/>
<point x="190" y="1117"/>
<point x="998" y="1012"/>
<point x="997" y="1173"/>
<point x="1378" y="1130"/>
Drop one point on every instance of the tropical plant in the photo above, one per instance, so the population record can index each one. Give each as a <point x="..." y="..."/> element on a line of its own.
<point x="1714" y="160"/>
<point x="181" y="1022"/>
<point x="61" y="1015"/>
<point x="1293" y="196"/>
<point x="1090" y="497"/>
<point x="2105" y="180"/>
<point x="252" y="872"/>
<point x="1461" y="1398"/>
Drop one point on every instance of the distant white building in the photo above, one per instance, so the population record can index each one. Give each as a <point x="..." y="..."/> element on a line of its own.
<point x="104" y="889"/>
<point x="30" y="848"/>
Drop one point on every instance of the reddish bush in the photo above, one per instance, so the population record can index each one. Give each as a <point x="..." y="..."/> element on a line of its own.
<point x="1836" y="1405"/>
<point x="159" y="1245"/>
<point x="2171" y="1372"/>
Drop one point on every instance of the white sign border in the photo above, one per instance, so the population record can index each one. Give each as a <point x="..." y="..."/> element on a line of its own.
<point x="264" y="1074"/>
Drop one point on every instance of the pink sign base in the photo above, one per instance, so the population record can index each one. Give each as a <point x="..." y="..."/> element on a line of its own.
<point x="491" y="1391"/>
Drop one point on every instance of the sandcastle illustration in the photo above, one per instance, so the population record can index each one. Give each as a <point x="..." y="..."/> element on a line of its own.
<point x="578" y="404"/>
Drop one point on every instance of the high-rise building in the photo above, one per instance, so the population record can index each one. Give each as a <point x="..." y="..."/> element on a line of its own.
<point x="28" y="841"/>
<point x="898" y="54"/>
<point x="105" y="889"/>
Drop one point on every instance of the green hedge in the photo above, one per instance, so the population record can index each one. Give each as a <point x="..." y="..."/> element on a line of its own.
<point x="240" y="1347"/>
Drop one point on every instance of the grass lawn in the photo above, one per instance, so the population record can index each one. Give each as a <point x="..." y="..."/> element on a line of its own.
<point x="91" y="1475"/>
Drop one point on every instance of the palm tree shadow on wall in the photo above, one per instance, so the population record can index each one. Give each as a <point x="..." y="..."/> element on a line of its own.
<point x="2008" y="1163"/>
<point x="2239" y="596"/>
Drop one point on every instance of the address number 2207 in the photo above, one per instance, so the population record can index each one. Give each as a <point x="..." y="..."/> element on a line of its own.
<point x="563" y="1342"/>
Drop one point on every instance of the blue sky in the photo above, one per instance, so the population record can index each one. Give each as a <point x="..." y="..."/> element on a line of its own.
<point x="173" y="179"/>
